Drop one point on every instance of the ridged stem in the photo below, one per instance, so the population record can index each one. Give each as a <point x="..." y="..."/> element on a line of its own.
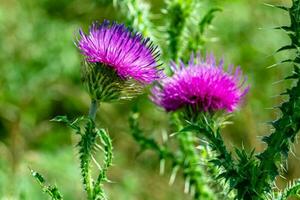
<point x="288" y="125"/>
<point x="86" y="145"/>
<point x="177" y="17"/>
<point x="222" y="161"/>
<point x="279" y="142"/>
<point x="192" y="169"/>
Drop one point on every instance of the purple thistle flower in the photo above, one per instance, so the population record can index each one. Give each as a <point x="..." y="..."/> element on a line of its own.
<point x="202" y="85"/>
<point x="129" y="54"/>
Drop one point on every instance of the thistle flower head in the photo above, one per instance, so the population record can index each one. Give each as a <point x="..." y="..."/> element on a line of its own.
<point x="116" y="47"/>
<point x="202" y="85"/>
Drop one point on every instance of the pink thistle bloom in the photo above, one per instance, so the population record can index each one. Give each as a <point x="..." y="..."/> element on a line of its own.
<point x="128" y="53"/>
<point x="202" y="85"/>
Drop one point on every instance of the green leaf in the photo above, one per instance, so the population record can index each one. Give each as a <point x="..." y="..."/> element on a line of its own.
<point x="52" y="191"/>
<point x="37" y="176"/>
<point x="60" y="119"/>
<point x="75" y="124"/>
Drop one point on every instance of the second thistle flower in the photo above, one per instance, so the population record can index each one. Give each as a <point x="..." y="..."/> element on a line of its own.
<point x="202" y="85"/>
<point x="118" y="62"/>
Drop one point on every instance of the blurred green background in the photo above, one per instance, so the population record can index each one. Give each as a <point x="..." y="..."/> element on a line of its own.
<point x="40" y="78"/>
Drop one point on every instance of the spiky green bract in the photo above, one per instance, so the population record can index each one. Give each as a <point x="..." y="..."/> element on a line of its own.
<point x="185" y="158"/>
<point x="52" y="191"/>
<point x="288" y="125"/>
<point x="105" y="85"/>
<point x="85" y="128"/>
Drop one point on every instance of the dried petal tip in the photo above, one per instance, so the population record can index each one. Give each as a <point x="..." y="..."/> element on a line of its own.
<point x="128" y="53"/>
<point x="202" y="85"/>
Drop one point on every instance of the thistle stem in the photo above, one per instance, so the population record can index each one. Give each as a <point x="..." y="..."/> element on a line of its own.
<point x="89" y="140"/>
<point x="89" y="181"/>
<point x="192" y="170"/>
<point x="93" y="109"/>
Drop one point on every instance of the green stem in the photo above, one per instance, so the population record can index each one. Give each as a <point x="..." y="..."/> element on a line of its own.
<point x="223" y="164"/>
<point x="93" y="109"/>
<point x="193" y="172"/>
<point x="89" y="180"/>
<point x="192" y="169"/>
<point x="287" y="126"/>
<point x="88" y="141"/>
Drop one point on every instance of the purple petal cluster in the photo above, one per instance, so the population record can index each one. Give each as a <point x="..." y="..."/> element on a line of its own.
<point x="115" y="46"/>
<point x="202" y="84"/>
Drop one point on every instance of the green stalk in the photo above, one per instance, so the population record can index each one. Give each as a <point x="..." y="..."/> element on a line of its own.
<point x="192" y="169"/>
<point x="193" y="172"/>
<point x="93" y="109"/>
<point x="288" y="125"/>
<point x="178" y="13"/>
<point x="224" y="166"/>
<point x="86" y="145"/>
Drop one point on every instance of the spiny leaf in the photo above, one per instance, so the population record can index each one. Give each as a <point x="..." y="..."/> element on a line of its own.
<point x="106" y="141"/>
<point x="52" y="191"/>
<point x="86" y="145"/>
<point x="73" y="124"/>
<point x="38" y="176"/>
<point x="60" y="119"/>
